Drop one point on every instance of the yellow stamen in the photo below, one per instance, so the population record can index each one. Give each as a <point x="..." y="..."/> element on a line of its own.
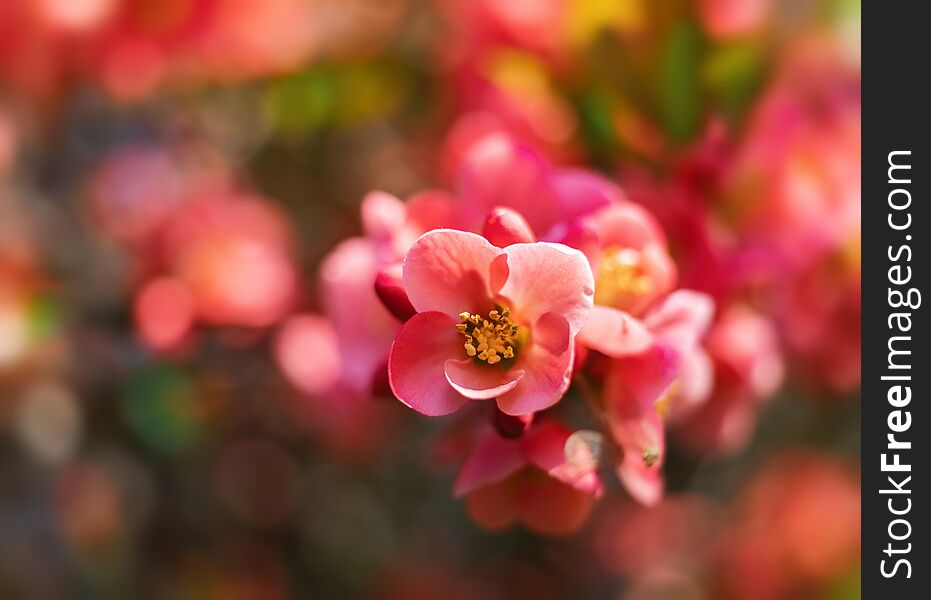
<point x="490" y="339"/>
<point x="621" y="277"/>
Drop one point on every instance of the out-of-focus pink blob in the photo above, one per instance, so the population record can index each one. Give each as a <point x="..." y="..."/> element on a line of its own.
<point x="307" y="352"/>
<point x="769" y="549"/>
<point x="164" y="312"/>
<point x="732" y="18"/>
<point x="235" y="257"/>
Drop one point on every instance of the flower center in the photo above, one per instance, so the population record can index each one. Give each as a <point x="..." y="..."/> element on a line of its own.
<point x="621" y="277"/>
<point x="492" y="338"/>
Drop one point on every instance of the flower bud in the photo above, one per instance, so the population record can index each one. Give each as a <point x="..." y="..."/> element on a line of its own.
<point x="504" y="227"/>
<point x="509" y="426"/>
<point x="390" y="290"/>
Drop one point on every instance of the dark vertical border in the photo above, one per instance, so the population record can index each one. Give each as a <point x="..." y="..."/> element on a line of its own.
<point x="896" y="43"/>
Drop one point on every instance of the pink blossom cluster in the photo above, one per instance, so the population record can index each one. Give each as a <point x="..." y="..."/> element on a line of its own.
<point x="542" y="306"/>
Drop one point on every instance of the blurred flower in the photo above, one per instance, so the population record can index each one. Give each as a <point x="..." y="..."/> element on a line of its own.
<point x="769" y="550"/>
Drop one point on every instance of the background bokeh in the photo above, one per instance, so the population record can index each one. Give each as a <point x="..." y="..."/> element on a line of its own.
<point x="174" y="178"/>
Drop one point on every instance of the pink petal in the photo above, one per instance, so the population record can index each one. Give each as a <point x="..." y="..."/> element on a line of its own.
<point x="547" y="365"/>
<point x="696" y="379"/>
<point x="545" y="446"/>
<point x="643" y="483"/>
<point x="545" y="277"/>
<point x="614" y="332"/>
<point x="639" y="381"/>
<point x="498" y="172"/>
<point x="453" y="271"/>
<point x="416" y="364"/>
<point x="383" y="215"/>
<point x="628" y="225"/>
<point x="581" y="192"/>
<point x="480" y="382"/>
<point x="551" y="507"/>
<point x="638" y="436"/>
<point x="346" y="276"/>
<point x="581" y="236"/>
<point x="492" y="459"/>
<point x="681" y="319"/>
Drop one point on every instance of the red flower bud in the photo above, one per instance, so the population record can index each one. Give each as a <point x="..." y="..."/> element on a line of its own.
<point x="390" y="290"/>
<point x="504" y="227"/>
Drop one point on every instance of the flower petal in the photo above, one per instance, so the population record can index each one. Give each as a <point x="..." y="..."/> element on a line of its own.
<point x="545" y="277"/>
<point x="452" y="271"/>
<point x="382" y="215"/>
<point x="494" y="506"/>
<point x="480" y="382"/>
<point x="492" y="459"/>
<point x="639" y="381"/>
<point x="643" y="443"/>
<point x="416" y="364"/>
<point x="643" y="483"/>
<point x="549" y="506"/>
<point x="498" y="172"/>
<point x="547" y="366"/>
<point x="681" y="319"/>
<point x="615" y="333"/>
<point x="545" y="446"/>
<point x="580" y="192"/>
<point x="628" y="225"/>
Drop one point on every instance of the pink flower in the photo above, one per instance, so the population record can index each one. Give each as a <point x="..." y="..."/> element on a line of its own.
<point x="529" y="481"/>
<point x="490" y="323"/>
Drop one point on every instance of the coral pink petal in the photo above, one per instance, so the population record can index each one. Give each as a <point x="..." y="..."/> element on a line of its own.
<point x="615" y="333"/>
<point x="545" y="447"/>
<point x="416" y="364"/>
<point x="549" y="506"/>
<point x="582" y="236"/>
<point x="696" y="379"/>
<point x="640" y="437"/>
<point x="682" y="318"/>
<point x="639" y="381"/>
<point x="643" y="483"/>
<point x="494" y="506"/>
<point x="492" y="459"/>
<point x="545" y="277"/>
<point x="547" y="366"/>
<point x="453" y="271"/>
<point x="480" y="382"/>
<point x="628" y="225"/>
